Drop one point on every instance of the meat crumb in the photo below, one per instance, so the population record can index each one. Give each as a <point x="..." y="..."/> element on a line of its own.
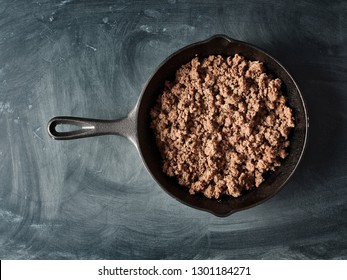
<point x="221" y="125"/>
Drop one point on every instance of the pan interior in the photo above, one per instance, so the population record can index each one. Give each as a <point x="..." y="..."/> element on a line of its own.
<point x="220" y="45"/>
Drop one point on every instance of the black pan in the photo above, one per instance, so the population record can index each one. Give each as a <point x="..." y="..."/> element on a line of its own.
<point x="136" y="126"/>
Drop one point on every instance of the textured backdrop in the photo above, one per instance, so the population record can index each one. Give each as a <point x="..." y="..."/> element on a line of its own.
<point x="93" y="198"/>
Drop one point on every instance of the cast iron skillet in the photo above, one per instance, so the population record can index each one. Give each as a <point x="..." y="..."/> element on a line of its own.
<point x="136" y="126"/>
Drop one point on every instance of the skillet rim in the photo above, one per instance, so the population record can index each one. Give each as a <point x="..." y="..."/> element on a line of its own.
<point x="227" y="40"/>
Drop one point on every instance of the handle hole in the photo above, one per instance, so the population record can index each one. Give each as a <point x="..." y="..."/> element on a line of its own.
<point x="67" y="127"/>
<point x="63" y="128"/>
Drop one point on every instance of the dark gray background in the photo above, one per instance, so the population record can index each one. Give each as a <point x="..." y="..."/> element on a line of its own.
<point x="92" y="198"/>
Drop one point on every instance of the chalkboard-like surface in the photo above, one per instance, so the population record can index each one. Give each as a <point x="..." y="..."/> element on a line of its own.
<point x="92" y="198"/>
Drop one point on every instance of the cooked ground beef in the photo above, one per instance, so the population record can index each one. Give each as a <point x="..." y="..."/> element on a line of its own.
<point x="221" y="125"/>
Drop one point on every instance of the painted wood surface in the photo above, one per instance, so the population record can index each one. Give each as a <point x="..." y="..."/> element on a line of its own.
<point x="93" y="198"/>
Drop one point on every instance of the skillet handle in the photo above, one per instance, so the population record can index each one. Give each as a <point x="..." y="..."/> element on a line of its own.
<point x="82" y="127"/>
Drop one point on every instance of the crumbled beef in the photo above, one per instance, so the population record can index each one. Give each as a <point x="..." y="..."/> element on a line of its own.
<point x="221" y="125"/>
